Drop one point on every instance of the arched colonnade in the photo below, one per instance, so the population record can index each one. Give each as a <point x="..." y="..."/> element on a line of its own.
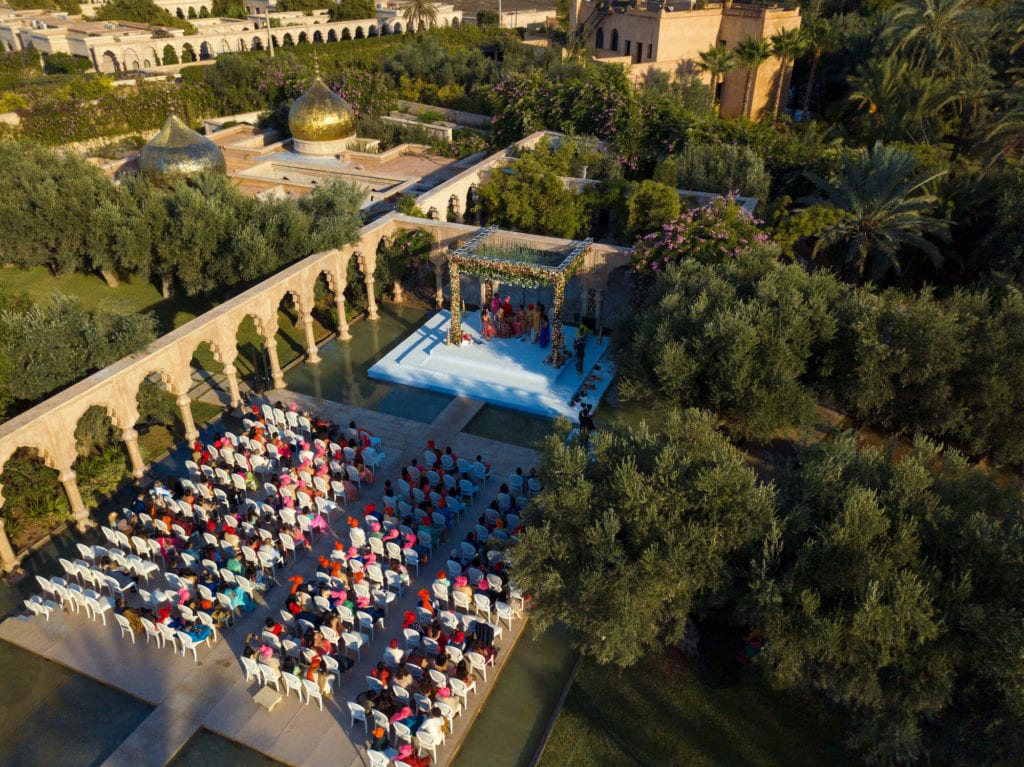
<point x="48" y="429"/>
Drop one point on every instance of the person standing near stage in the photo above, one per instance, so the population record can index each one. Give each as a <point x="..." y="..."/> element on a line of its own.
<point x="535" y="324"/>
<point x="579" y="347"/>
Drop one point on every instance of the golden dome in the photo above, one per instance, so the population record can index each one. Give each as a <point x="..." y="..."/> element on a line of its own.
<point x="319" y="114"/>
<point x="177" y="150"/>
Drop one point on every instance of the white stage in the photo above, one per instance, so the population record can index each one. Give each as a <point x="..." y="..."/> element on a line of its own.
<point x="503" y="371"/>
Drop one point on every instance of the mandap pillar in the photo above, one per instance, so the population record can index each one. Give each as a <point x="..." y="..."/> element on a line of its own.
<point x="275" y="365"/>
<point x="456" y="302"/>
<point x="312" y="353"/>
<point x="185" y="406"/>
<point x="8" y="559"/>
<point x="131" y="441"/>
<point x="557" y="339"/>
<point x="231" y="373"/>
<point x="78" y="510"/>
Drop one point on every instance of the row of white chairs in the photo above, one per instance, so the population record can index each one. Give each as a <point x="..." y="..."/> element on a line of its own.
<point x="268" y="676"/>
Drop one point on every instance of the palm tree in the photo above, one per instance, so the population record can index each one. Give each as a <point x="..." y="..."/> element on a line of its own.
<point x="787" y="44"/>
<point x="902" y="101"/>
<point x="886" y="210"/>
<point x="821" y="38"/>
<point x="751" y="53"/>
<point x="419" y="13"/>
<point x="974" y="85"/>
<point x="718" y="60"/>
<point x="941" y="33"/>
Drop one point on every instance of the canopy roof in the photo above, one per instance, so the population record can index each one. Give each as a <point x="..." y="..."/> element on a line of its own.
<point x="506" y="260"/>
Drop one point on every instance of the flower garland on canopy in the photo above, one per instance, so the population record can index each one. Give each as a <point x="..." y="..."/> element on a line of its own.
<point x="516" y="264"/>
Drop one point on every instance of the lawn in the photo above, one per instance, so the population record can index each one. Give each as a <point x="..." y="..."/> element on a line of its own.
<point x="661" y="713"/>
<point x="141" y="296"/>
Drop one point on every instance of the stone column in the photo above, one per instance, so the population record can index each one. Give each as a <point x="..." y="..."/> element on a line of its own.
<point x="371" y="300"/>
<point x="312" y="354"/>
<point x="8" y="559"/>
<point x="185" y="406"/>
<point x="275" y="366"/>
<point x="131" y="441"/>
<point x="232" y="375"/>
<point x="339" y="305"/>
<point x="81" y="514"/>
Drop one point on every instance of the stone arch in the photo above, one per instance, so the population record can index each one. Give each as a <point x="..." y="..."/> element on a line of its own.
<point x="345" y="34"/>
<point x="332" y="36"/>
<point x="225" y="47"/>
<point x="154" y="57"/>
<point x="176" y="385"/>
<point x="599" y="39"/>
<point x="180" y="13"/>
<point x="110" y="59"/>
<point x="615" y="40"/>
<point x="359" y="33"/>
<point x="397" y="28"/>
<point x="277" y="43"/>
<point x="298" y="299"/>
<point x="288" y="39"/>
<point x="205" y="51"/>
<point x="385" y="29"/>
<point x="372" y="31"/>
<point x="241" y="44"/>
<point x="188" y="53"/>
<point x="41" y="451"/>
<point x="318" y="36"/>
<point x="303" y="38"/>
<point x="455" y="21"/>
<point x="257" y="43"/>
<point x="119" y="419"/>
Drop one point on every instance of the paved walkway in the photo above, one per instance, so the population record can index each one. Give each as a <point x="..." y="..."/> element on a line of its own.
<point x="214" y="694"/>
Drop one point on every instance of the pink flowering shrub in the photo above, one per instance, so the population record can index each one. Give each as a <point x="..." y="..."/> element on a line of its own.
<point x="712" y="233"/>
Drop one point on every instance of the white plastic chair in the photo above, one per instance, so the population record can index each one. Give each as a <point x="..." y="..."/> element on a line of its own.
<point x="462" y="689"/>
<point x="99" y="606"/>
<point x="461" y="602"/>
<point x="412" y="559"/>
<point x="188" y="643"/>
<point x="252" y="670"/>
<point x="482" y="603"/>
<point x="152" y="631"/>
<point x="477" y="664"/>
<point x="313" y="693"/>
<point x="481" y="472"/>
<point x="271" y="676"/>
<point x="378" y="758"/>
<point x="358" y="714"/>
<point x="38" y="606"/>
<point x="353" y="640"/>
<point x="401" y="733"/>
<point x="292" y="682"/>
<point x="427" y="742"/>
<point x="468" y="489"/>
<point x="504" y="613"/>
